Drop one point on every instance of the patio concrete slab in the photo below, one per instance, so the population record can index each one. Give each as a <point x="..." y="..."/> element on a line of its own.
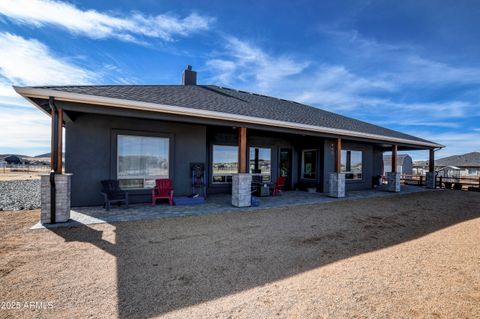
<point x="215" y="204"/>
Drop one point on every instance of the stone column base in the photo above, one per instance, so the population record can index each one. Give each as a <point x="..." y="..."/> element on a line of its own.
<point x="241" y="190"/>
<point x="393" y="180"/>
<point x="62" y="197"/>
<point x="431" y="180"/>
<point x="337" y="185"/>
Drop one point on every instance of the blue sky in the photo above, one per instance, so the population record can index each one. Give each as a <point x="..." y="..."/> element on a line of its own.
<point x="412" y="66"/>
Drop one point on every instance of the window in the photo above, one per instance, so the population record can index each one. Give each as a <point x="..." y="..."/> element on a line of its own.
<point x="141" y="160"/>
<point x="309" y="164"/>
<point x="224" y="163"/>
<point x="352" y="164"/>
<point x="472" y="171"/>
<point x="261" y="162"/>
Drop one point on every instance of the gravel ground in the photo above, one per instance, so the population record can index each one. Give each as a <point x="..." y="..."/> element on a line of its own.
<point x="407" y="256"/>
<point x="19" y="194"/>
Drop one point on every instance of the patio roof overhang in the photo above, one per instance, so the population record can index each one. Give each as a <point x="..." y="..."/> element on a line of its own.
<point x="31" y="93"/>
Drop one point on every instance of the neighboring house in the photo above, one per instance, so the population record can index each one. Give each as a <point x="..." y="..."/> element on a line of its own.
<point x="467" y="165"/>
<point x="137" y="133"/>
<point x="420" y="167"/>
<point x="404" y="164"/>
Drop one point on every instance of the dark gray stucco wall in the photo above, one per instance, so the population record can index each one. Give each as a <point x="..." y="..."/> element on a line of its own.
<point x="90" y="152"/>
<point x="372" y="159"/>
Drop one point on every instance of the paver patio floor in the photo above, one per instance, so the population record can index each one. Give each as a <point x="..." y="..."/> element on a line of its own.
<point x="215" y="204"/>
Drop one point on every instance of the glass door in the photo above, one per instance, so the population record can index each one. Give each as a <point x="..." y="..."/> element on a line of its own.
<point x="285" y="166"/>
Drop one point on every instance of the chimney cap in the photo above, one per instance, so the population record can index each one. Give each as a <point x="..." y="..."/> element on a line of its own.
<point x="189" y="67"/>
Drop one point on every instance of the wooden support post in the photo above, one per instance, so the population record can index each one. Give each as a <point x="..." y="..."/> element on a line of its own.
<point x="242" y="150"/>
<point x="431" y="161"/>
<point x="394" y="158"/>
<point x="56" y="141"/>
<point x="338" y="155"/>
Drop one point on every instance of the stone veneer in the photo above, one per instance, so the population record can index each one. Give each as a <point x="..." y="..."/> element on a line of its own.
<point x="241" y="190"/>
<point x="62" y="186"/>
<point x="337" y="185"/>
<point x="431" y="180"/>
<point x="393" y="182"/>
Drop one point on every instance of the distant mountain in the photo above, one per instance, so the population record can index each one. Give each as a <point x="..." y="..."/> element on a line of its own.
<point x="7" y="155"/>
<point x="46" y="155"/>
<point x="43" y="155"/>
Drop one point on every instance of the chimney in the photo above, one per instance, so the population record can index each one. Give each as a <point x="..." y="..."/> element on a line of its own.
<point x="189" y="77"/>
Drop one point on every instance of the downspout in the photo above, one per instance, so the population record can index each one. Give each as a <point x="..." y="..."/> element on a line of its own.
<point x="53" y="108"/>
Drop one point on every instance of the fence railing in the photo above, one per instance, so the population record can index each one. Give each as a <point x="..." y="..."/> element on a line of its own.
<point x="24" y="168"/>
<point x="442" y="181"/>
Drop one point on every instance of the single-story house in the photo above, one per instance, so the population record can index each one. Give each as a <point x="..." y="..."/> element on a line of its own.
<point x="404" y="164"/>
<point x="465" y="165"/>
<point x="137" y="133"/>
<point x="468" y="164"/>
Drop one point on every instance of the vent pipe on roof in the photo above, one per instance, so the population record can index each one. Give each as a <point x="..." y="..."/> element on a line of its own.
<point x="189" y="77"/>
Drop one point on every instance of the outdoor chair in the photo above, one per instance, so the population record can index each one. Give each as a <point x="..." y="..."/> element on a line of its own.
<point x="279" y="184"/>
<point x="113" y="194"/>
<point x="163" y="190"/>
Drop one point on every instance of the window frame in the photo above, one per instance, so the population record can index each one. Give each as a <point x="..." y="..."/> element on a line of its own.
<point x="302" y="171"/>
<point x="212" y="161"/>
<point x="114" y="151"/>
<point x="350" y="172"/>
<point x="270" y="173"/>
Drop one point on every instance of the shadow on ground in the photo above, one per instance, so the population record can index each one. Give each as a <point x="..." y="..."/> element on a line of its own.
<point x="169" y="264"/>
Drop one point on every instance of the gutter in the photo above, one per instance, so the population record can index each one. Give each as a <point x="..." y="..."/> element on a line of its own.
<point x="29" y="92"/>
<point x="53" y="190"/>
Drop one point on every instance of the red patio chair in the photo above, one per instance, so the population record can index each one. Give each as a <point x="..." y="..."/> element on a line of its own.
<point x="163" y="190"/>
<point x="279" y="183"/>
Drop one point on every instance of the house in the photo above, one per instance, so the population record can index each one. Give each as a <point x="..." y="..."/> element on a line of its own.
<point x="404" y="164"/>
<point x="137" y="133"/>
<point x="419" y="167"/>
<point x="466" y="165"/>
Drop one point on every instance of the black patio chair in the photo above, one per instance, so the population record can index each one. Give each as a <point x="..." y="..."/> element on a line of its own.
<point x="113" y="194"/>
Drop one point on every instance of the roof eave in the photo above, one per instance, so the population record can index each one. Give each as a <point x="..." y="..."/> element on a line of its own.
<point x="31" y="92"/>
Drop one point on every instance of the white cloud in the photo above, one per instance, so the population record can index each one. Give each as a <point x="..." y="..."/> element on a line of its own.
<point x="248" y="63"/>
<point x="98" y="25"/>
<point x="30" y="62"/>
<point x="456" y="142"/>
<point x="31" y="135"/>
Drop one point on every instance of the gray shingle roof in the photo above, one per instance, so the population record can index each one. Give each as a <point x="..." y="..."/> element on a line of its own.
<point x="466" y="160"/>
<point x="220" y="99"/>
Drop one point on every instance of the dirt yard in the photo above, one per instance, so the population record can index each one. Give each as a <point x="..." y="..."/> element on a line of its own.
<point x="15" y="176"/>
<point x="407" y="256"/>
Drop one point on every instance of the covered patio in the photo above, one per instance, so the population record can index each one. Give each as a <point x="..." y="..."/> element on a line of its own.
<point x="215" y="204"/>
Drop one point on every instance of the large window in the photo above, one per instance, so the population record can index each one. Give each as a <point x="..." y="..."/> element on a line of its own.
<point x="224" y="163"/>
<point x="261" y="162"/>
<point x="352" y="164"/>
<point x="309" y="164"/>
<point x="141" y="160"/>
